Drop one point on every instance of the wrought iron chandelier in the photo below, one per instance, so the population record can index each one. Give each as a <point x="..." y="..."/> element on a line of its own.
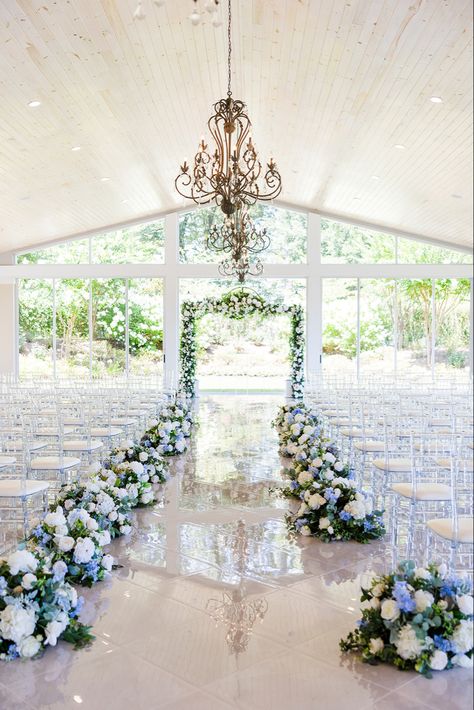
<point x="233" y="178"/>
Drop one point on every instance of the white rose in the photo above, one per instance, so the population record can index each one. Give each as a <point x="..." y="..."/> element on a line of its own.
<point x="17" y="622"/>
<point x="113" y="515"/>
<point x="69" y="503"/>
<point x="408" y="645"/>
<point x="64" y="542"/>
<point x="55" y="628"/>
<point x="324" y="523"/>
<point x="317" y="463"/>
<point x="136" y="467"/>
<point x="28" y="580"/>
<point x="466" y="604"/>
<point x="375" y="603"/>
<point x="316" y="501"/>
<point x="59" y="569"/>
<point x="84" y="550"/>
<point x="330" y="530"/>
<point x="147" y="497"/>
<point x="422" y="573"/>
<point x="376" y="646"/>
<point x="304" y="477"/>
<point x="78" y="514"/>
<point x="461" y="660"/>
<point x="439" y="660"/>
<point x="305" y="530"/>
<point x="143" y="456"/>
<point x="423" y="600"/>
<point x="107" y="562"/>
<point x="102" y="537"/>
<point x="378" y="589"/>
<point x="462" y="636"/>
<point x="389" y="610"/>
<point x="329" y="457"/>
<point x="338" y="466"/>
<point x="442" y="570"/>
<point x="29" y="647"/>
<point x="92" y="524"/>
<point x="55" y="519"/>
<point x="22" y="561"/>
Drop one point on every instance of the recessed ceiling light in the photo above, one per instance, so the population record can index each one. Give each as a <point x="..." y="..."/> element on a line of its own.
<point x="375" y="177"/>
<point x="399" y="146"/>
<point x="34" y="104"/>
<point x="356" y="198"/>
<point x="456" y="196"/>
<point x="124" y="201"/>
<point x="436" y="99"/>
<point x="105" y="179"/>
<point x="76" y="148"/>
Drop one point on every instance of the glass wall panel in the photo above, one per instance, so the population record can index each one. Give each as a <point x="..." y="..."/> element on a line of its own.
<point x="72" y="252"/>
<point x="35" y="320"/>
<point x="452" y="306"/>
<point x="343" y="243"/>
<point x="145" y="308"/>
<point x="340" y="326"/>
<point x="287" y="230"/>
<point x="415" y="327"/>
<point x="247" y="354"/>
<point x="411" y="251"/>
<point x="377" y="310"/>
<point x="108" y="327"/>
<point x="140" y="244"/>
<point x="72" y="328"/>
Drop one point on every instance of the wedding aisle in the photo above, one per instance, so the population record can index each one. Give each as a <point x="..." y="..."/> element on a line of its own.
<point x="216" y="606"/>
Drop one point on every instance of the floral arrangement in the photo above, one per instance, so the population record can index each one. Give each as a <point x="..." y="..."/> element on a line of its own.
<point x="76" y="540"/>
<point x="416" y="619"/>
<point x="133" y="478"/>
<point x="153" y="463"/>
<point x="108" y="505"/>
<point x="336" y="510"/>
<point x="297" y="427"/>
<point x="320" y="464"/>
<point x="180" y="413"/>
<point x="237" y="305"/>
<point x="37" y="607"/>
<point x="167" y="437"/>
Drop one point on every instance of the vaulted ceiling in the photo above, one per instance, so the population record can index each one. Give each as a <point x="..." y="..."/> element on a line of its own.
<point x="332" y="87"/>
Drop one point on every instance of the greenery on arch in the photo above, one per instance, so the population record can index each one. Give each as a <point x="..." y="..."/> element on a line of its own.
<point x="239" y="304"/>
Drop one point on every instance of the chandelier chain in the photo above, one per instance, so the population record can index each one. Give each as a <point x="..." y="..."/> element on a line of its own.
<point x="229" y="56"/>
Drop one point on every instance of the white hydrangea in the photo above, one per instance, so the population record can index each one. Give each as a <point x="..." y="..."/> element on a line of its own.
<point x="17" y="622"/>
<point x="22" y="561"/>
<point x="84" y="550"/>
<point x="408" y="645"/>
<point x="462" y="637"/>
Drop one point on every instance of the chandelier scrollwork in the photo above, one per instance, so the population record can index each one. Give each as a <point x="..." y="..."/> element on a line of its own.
<point x="232" y="177"/>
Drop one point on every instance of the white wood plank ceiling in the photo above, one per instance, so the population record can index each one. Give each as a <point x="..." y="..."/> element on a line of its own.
<point x="332" y="86"/>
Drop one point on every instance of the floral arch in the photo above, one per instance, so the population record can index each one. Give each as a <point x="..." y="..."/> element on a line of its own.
<point x="238" y="304"/>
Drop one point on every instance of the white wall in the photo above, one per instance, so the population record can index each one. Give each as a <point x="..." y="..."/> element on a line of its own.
<point x="8" y="329"/>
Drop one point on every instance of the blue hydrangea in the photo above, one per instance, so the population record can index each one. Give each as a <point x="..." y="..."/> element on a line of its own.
<point x="330" y="495"/>
<point x="345" y="515"/>
<point x="300" y="522"/>
<point x="403" y="597"/>
<point x="293" y="485"/>
<point x="442" y="643"/>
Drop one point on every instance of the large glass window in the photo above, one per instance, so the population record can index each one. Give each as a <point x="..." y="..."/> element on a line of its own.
<point x="108" y="327"/>
<point x="72" y="328"/>
<point x="452" y="308"/>
<point x="72" y="252"/>
<point x="141" y="244"/>
<point x="411" y="251"/>
<point x="145" y="314"/>
<point x="287" y="230"/>
<point x="35" y="321"/>
<point x="377" y="301"/>
<point x="339" y="326"/>
<point x="343" y="243"/>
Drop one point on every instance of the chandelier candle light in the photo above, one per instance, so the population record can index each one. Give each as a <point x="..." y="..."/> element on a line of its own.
<point x="233" y="178"/>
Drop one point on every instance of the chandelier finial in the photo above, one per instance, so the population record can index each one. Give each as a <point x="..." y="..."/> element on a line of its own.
<point x="229" y="54"/>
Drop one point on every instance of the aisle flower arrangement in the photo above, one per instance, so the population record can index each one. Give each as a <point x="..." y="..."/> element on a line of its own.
<point x="297" y="427"/>
<point x="155" y="465"/>
<point x="37" y="607"/>
<point x="331" y="507"/>
<point x="108" y="505"/>
<point x="76" y="540"/>
<point x="416" y="619"/>
<point x="237" y="305"/>
<point x="167" y="437"/>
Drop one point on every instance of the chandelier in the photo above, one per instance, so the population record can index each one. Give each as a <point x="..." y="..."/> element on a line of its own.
<point x="233" y="178"/>
<point x="239" y="615"/>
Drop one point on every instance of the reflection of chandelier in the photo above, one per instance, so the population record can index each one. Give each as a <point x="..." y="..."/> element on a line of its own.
<point x="239" y="615"/>
<point x="232" y="176"/>
<point x="239" y="238"/>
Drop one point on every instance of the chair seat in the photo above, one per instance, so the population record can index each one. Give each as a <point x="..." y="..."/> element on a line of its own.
<point x="444" y="527"/>
<point x="122" y="421"/>
<point x="82" y="445"/>
<point x="32" y="445"/>
<point x="424" y="491"/>
<point x="339" y="421"/>
<point x="54" y="463"/>
<point x="52" y="431"/>
<point x="21" y="488"/>
<point x="6" y="460"/>
<point x="464" y="465"/>
<point x="393" y="464"/>
<point x="353" y="433"/>
<point x="370" y="446"/>
<point x="105" y="431"/>
<point x="73" y="421"/>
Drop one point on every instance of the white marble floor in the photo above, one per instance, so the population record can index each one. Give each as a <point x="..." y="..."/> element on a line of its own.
<point x="216" y="607"/>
